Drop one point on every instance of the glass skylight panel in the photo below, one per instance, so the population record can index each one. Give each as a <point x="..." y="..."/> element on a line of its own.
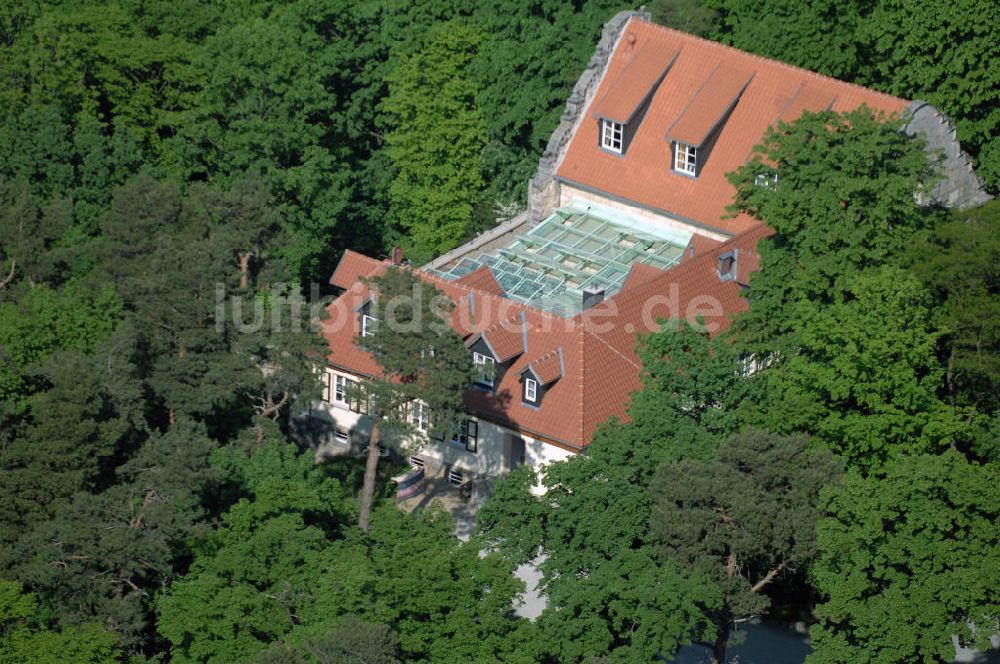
<point x="529" y="273"/>
<point x="549" y="265"/>
<point x="589" y="225"/>
<point x="464" y="267"/>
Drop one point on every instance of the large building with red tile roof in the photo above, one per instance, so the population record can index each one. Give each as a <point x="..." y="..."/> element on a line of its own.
<point x="687" y="111"/>
<point x="627" y="226"/>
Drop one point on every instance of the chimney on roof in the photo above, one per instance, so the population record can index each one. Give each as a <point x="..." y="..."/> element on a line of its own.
<point x="592" y="295"/>
<point x="397" y="255"/>
<point x="630" y="41"/>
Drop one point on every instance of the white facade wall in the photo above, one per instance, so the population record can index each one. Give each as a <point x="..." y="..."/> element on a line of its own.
<point x="492" y="458"/>
<point x="568" y="193"/>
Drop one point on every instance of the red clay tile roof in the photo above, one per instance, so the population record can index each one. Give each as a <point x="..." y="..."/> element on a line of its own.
<point x="688" y="290"/>
<point x="548" y="367"/>
<point x="643" y="174"/>
<point x="646" y="67"/>
<point x="717" y="95"/>
<point x="808" y="98"/>
<point x="599" y="368"/>
<point x="505" y="339"/>
<point x="640" y="273"/>
<point x="698" y="245"/>
<point x="482" y="279"/>
<point x="351" y="268"/>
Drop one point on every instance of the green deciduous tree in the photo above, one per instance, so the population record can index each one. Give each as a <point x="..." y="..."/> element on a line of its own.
<point x="947" y="58"/>
<point x="87" y="57"/>
<point x="422" y="359"/>
<point x="908" y="560"/>
<point x="741" y="521"/>
<point x="265" y="109"/>
<point x="257" y="575"/>
<point x="844" y="201"/>
<point x="25" y="636"/>
<point x="959" y="262"/>
<point x="607" y="590"/>
<point x="287" y="565"/>
<point x="40" y="322"/>
<point x="435" y="138"/>
<point x="353" y="642"/>
<point x="865" y="378"/>
<point x="820" y="36"/>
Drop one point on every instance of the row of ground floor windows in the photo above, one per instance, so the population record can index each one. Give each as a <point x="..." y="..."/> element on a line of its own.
<point x="341" y="391"/>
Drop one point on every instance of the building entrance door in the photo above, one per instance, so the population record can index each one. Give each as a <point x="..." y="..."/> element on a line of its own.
<point x="515" y="452"/>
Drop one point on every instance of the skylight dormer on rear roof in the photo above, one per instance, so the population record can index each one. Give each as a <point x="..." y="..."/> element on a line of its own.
<point x="693" y="134"/>
<point x="621" y="110"/>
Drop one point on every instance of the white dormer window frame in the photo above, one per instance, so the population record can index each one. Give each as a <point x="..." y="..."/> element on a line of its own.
<point x="485" y="367"/>
<point x="685" y="159"/>
<point x="530" y="389"/>
<point x="368" y="324"/>
<point x="612" y="136"/>
<point x="420" y="416"/>
<point x="767" y="180"/>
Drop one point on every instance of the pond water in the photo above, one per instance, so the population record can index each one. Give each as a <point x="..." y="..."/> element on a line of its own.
<point x="773" y="644"/>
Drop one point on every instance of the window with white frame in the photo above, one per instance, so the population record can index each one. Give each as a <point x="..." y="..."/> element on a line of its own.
<point x="341" y="384"/>
<point x="368" y="324"/>
<point x="420" y="416"/>
<point x="530" y="389"/>
<point x="767" y="180"/>
<point x="612" y="135"/>
<point x="686" y="158"/>
<point x="485" y="368"/>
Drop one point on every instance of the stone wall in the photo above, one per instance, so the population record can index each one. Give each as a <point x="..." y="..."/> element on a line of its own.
<point x="484" y="243"/>
<point x="543" y="190"/>
<point x="960" y="186"/>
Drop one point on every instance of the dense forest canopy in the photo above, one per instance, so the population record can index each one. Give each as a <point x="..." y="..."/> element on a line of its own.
<point x="173" y="169"/>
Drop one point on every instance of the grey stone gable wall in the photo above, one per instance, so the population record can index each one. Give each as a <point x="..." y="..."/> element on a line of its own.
<point x="543" y="193"/>
<point x="960" y="187"/>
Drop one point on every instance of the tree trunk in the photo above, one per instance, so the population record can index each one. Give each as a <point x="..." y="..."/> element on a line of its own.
<point x="10" y="275"/>
<point x="719" y="647"/>
<point x="368" y="491"/>
<point x="245" y="269"/>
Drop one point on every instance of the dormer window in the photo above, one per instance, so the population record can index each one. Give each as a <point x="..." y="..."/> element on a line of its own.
<point x="368" y="324"/>
<point x="686" y="159"/>
<point x="612" y="136"/>
<point x="700" y="125"/>
<point x="530" y="390"/>
<point x="485" y="369"/>
<point x="538" y="377"/>
<point x="767" y="180"/>
<point x="727" y="266"/>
